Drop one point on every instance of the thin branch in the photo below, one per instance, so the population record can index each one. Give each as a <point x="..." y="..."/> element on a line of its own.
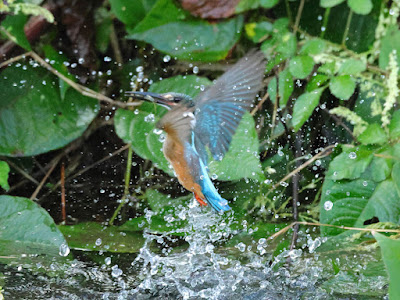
<point x="115" y="46"/>
<point x="372" y="230"/>
<point x="298" y="17"/>
<point x="63" y="212"/>
<point x="347" y="28"/>
<point x="321" y="154"/>
<point x="80" y="88"/>
<point x="26" y="175"/>
<point x="259" y="104"/>
<point x="36" y="192"/>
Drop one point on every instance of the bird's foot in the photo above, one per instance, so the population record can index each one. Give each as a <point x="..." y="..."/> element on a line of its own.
<point x="202" y="203"/>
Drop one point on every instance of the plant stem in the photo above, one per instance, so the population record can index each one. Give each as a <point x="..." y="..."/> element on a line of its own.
<point x="325" y="22"/>
<point x="346" y="30"/>
<point x="126" y="189"/>
<point x="298" y="17"/>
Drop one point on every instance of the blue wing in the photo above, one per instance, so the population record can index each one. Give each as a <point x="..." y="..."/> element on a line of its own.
<point x="220" y="108"/>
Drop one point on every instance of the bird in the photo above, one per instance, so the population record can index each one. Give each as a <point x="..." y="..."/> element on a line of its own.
<point x="208" y="121"/>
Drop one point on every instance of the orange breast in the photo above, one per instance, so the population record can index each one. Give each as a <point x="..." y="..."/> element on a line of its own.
<point x="174" y="151"/>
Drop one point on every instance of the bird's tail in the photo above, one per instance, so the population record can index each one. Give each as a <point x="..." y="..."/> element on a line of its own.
<point x="211" y="195"/>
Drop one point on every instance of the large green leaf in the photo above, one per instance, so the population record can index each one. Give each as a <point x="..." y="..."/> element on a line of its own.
<point x="171" y="30"/>
<point x="91" y="236"/>
<point x="26" y="224"/>
<point x="349" y="164"/>
<point x="373" y="193"/>
<point x="391" y="256"/>
<point x="304" y="106"/>
<point x="34" y="118"/>
<point x="394" y="126"/>
<point x="128" y="12"/>
<point x="4" y="170"/>
<point x="242" y="160"/>
<point x="373" y="134"/>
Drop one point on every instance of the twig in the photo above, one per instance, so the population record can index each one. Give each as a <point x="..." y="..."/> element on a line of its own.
<point x="91" y="166"/>
<point x="259" y="104"/>
<point x="346" y="30"/>
<point x="63" y="212"/>
<point x="12" y="60"/>
<point x="26" y="175"/>
<point x="295" y="188"/>
<point x="321" y="154"/>
<point x="298" y="17"/>
<point x="283" y="230"/>
<point x="36" y="192"/>
<point x="126" y="189"/>
<point x="80" y="88"/>
<point x="340" y="123"/>
<point x="115" y="46"/>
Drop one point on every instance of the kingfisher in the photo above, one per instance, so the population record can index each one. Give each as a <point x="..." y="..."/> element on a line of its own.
<point x="207" y="121"/>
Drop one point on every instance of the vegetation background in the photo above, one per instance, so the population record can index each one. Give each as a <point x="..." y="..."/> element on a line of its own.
<point x="321" y="145"/>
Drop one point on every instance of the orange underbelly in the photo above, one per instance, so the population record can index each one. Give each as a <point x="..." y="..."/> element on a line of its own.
<point x="174" y="152"/>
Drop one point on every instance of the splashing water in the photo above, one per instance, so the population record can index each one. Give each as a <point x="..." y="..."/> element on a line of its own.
<point x="204" y="272"/>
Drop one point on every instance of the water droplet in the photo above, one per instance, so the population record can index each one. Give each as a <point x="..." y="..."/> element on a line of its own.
<point x="195" y="70"/>
<point x="166" y="58"/>
<point x="107" y="260"/>
<point x="64" y="250"/>
<point x="98" y="242"/>
<point x="328" y="205"/>
<point x="352" y="155"/>
<point x="365" y="183"/>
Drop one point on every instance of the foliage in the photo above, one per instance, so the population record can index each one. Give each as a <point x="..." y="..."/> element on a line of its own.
<point x="331" y="80"/>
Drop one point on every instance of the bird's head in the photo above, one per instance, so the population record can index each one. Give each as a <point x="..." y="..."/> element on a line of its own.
<point x="168" y="100"/>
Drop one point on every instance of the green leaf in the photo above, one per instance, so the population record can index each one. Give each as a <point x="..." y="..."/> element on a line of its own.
<point x="33" y="9"/>
<point x="286" y="87"/>
<point x="394" y="126"/>
<point x="242" y="159"/>
<point x="91" y="236"/>
<point x="22" y="220"/>
<point x="167" y="28"/>
<point x="352" y="66"/>
<point x="268" y="3"/>
<point x="362" y="7"/>
<point x="380" y="167"/>
<point x="128" y="12"/>
<point x="304" y="106"/>
<point x="272" y="89"/>
<point x="391" y="256"/>
<point x="4" y="170"/>
<point x="159" y="202"/>
<point x="14" y="25"/>
<point x="58" y="62"/>
<point x="287" y="45"/>
<point x="104" y="27"/>
<point x="301" y="66"/>
<point x="316" y="82"/>
<point x="33" y="117"/>
<point x="245" y="5"/>
<point x="351" y="203"/>
<point x="313" y="47"/>
<point x="374" y="134"/>
<point x="330" y="3"/>
<point x="328" y="68"/>
<point x="390" y="42"/>
<point x="349" y="164"/>
<point x="258" y="32"/>
<point x="342" y="87"/>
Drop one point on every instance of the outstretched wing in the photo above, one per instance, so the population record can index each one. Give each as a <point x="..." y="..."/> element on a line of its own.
<point x="220" y="108"/>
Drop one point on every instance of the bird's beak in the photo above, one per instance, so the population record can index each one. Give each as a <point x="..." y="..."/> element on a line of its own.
<point x="152" y="97"/>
